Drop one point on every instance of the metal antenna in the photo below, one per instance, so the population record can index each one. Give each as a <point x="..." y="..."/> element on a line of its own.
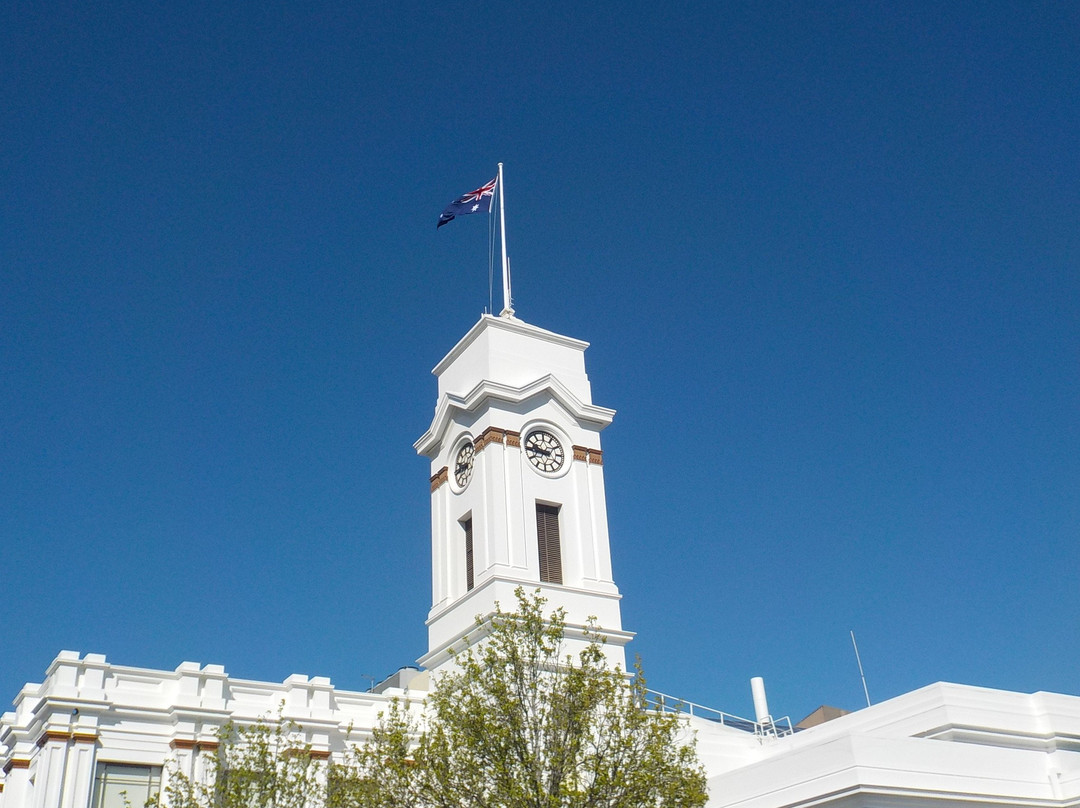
<point x="861" y="674"/>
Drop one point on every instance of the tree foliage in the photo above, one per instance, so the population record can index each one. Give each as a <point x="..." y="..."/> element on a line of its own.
<point x="518" y="723"/>
<point x="522" y="724"/>
<point x="264" y="765"/>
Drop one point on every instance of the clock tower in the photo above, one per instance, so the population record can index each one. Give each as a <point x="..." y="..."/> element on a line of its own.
<point x="517" y="486"/>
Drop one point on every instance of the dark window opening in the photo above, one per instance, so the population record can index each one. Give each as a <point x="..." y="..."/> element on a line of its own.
<point x="547" y="536"/>
<point x="466" y="525"/>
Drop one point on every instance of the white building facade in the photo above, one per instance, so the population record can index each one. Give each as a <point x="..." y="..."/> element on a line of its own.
<point x="518" y="499"/>
<point x="517" y="485"/>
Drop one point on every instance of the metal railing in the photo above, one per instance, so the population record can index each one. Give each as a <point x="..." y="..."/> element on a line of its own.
<point x="663" y="703"/>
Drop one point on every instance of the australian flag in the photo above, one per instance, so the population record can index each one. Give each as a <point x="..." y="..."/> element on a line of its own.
<point x="478" y="201"/>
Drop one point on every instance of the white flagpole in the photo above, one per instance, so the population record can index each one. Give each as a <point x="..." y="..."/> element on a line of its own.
<point x="507" y="310"/>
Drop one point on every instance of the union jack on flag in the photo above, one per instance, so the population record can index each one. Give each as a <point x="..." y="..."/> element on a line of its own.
<point x="478" y="201"/>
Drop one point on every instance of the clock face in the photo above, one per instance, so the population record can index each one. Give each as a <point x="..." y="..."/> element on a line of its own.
<point x="544" y="450"/>
<point x="463" y="465"/>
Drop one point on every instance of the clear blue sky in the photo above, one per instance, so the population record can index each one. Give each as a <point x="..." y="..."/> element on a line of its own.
<point x="827" y="255"/>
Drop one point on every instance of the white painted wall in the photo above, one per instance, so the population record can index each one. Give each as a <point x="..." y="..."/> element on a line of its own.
<point x="514" y="377"/>
<point x="941" y="745"/>
<point x="88" y="711"/>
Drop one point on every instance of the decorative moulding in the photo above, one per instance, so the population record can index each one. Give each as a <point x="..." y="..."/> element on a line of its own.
<point x="449" y="404"/>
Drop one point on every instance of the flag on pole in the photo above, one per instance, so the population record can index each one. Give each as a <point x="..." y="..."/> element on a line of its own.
<point x="478" y="201"/>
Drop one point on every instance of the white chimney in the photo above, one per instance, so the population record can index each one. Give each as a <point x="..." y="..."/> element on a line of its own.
<point x="761" y="705"/>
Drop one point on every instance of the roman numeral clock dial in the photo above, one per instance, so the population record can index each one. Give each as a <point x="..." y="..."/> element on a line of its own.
<point x="544" y="450"/>
<point x="463" y="465"/>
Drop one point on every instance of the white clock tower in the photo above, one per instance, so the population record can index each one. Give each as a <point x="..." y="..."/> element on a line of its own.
<point x="517" y="485"/>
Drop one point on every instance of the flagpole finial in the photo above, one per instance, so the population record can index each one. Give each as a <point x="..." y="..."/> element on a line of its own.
<point x="507" y="310"/>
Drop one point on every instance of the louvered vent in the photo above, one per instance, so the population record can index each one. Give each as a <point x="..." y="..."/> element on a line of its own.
<point x="466" y="525"/>
<point x="547" y="534"/>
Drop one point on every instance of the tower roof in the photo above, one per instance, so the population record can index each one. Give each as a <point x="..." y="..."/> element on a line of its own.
<point x="506" y="359"/>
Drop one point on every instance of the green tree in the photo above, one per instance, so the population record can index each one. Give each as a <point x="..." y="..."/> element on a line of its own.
<point x="519" y="723"/>
<point x="263" y="765"/>
<point x="522" y="724"/>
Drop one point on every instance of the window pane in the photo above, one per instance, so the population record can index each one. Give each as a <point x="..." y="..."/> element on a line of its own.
<point x="119" y="785"/>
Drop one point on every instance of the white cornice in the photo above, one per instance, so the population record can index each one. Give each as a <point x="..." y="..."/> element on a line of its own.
<point x="488" y="390"/>
<point x="511" y="324"/>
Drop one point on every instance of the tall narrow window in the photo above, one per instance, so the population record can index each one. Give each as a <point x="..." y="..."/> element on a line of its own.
<point x="547" y="537"/>
<point x="466" y="525"/>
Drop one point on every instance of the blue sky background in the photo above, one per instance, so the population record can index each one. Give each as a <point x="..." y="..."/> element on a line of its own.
<point x="827" y="255"/>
